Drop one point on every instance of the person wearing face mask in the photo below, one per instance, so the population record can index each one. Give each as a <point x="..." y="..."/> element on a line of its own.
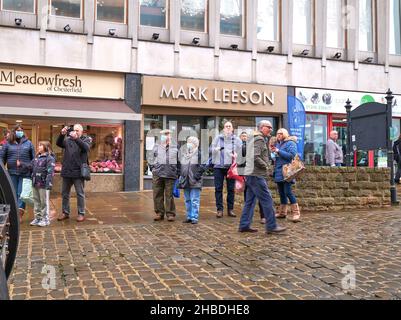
<point x="191" y="171"/>
<point x="164" y="165"/>
<point x="17" y="154"/>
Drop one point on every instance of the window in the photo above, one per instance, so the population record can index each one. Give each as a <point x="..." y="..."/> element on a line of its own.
<point x="66" y="8"/>
<point x="395" y="27"/>
<point x="231" y="17"/>
<point x="111" y="10"/>
<point x="193" y="14"/>
<point x="302" y="22"/>
<point x="335" y="30"/>
<point x="19" y="5"/>
<point x="154" y="13"/>
<point x="268" y="20"/>
<point x="366" y="25"/>
<point x="315" y="139"/>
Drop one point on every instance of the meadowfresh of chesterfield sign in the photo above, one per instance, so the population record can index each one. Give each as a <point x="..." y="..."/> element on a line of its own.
<point x="202" y="94"/>
<point x="61" y="82"/>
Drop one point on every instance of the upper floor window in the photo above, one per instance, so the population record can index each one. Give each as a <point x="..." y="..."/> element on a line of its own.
<point x="366" y="25"/>
<point x="193" y="15"/>
<point x="303" y="22"/>
<point x="231" y="17"/>
<point x="268" y="20"/>
<point x="67" y="8"/>
<point x="395" y="27"/>
<point x="19" y="5"/>
<point x="154" y="13"/>
<point x="111" y="10"/>
<point x="335" y="29"/>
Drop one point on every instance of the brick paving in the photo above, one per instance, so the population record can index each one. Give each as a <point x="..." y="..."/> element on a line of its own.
<point x="120" y="253"/>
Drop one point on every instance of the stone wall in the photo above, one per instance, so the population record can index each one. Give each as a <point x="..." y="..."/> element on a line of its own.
<point x="99" y="183"/>
<point x="334" y="189"/>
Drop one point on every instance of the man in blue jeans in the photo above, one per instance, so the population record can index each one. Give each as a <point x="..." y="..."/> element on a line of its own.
<point x="256" y="173"/>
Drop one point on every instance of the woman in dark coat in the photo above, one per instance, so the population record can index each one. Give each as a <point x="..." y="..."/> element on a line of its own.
<point x="17" y="154"/>
<point x="191" y="171"/>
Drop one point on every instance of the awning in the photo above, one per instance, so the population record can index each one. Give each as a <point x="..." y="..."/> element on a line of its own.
<point x="61" y="107"/>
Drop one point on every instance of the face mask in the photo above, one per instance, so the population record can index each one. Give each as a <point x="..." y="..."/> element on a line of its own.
<point x="190" y="147"/>
<point x="19" y="134"/>
<point x="273" y="155"/>
<point x="163" y="139"/>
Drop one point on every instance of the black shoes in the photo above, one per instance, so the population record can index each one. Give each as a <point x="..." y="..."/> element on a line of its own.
<point x="277" y="230"/>
<point x="248" y="230"/>
<point x="231" y="214"/>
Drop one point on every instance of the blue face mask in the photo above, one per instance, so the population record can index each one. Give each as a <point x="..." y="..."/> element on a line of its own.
<point x="163" y="139"/>
<point x="273" y="155"/>
<point x="19" y="134"/>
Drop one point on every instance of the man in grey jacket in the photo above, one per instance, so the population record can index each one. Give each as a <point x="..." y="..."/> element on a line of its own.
<point x="334" y="153"/>
<point x="256" y="173"/>
<point x="164" y="165"/>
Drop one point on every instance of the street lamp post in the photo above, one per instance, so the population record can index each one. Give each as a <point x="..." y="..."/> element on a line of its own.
<point x="390" y="152"/>
<point x="348" y="108"/>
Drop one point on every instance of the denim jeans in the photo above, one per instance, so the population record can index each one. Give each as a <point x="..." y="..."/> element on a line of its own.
<point x="285" y="191"/>
<point x="219" y="176"/>
<point x="79" y="189"/>
<point x="17" y="183"/>
<point x="192" y="203"/>
<point x="257" y="189"/>
<point x="262" y="215"/>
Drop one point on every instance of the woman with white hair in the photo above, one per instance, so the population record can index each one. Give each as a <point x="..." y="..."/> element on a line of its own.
<point x="190" y="180"/>
<point x="284" y="151"/>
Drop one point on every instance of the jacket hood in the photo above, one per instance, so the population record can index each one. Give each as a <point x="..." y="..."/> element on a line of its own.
<point x="292" y="138"/>
<point x="257" y="134"/>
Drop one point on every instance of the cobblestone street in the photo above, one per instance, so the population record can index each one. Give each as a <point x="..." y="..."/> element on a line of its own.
<point x="120" y="253"/>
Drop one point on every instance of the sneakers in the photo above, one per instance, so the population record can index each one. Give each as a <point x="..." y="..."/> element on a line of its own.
<point x="194" y="221"/>
<point x="63" y="216"/>
<point x="219" y="214"/>
<point x="231" y="213"/>
<point x="277" y="230"/>
<point x="263" y="221"/>
<point x="80" y="218"/>
<point x="170" y="218"/>
<point x="35" y="222"/>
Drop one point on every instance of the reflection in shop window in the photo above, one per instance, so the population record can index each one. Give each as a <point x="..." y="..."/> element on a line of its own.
<point x="395" y="27"/>
<point x="66" y="8"/>
<point x="315" y="139"/>
<point x="154" y="13"/>
<point x="193" y="13"/>
<point x="19" y="5"/>
<point x="231" y="15"/>
<point x="302" y="22"/>
<point x="335" y="30"/>
<point x="268" y="20"/>
<point x="111" y="10"/>
<point x="366" y="25"/>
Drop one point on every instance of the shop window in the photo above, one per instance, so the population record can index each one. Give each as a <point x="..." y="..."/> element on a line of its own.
<point x="153" y="124"/>
<point x="366" y="25"/>
<point x="193" y="15"/>
<point x="154" y="13"/>
<point x="111" y="10"/>
<point x="335" y="29"/>
<point x="315" y="139"/>
<point x="303" y="22"/>
<point x="395" y="27"/>
<point x="231" y="17"/>
<point x="268" y="20"/>
<point x="19" y="5"/>
<point x="67" y="8"/>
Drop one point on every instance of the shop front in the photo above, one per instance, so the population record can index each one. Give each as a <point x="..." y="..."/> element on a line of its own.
<point x="198" y="107"/>
<point x="325" y="112"/>
<point x="44" y="100"/>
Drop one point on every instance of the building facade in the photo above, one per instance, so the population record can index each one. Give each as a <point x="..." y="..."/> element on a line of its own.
<point x="337" y="45"/>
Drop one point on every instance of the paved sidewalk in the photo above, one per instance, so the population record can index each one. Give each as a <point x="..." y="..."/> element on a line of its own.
<point x="120" y="253"/>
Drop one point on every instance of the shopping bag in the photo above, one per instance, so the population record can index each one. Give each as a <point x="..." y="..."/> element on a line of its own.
<point x="27" y="193"/>
<point x="293" y="169"/>
<point x="240" y="185"/>
<point x="176" y="190"/>
<point x="232" y="173"/>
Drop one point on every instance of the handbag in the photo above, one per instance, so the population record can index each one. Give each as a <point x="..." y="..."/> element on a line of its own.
<point x="232" y="173"/>
<point x="27" y="192"/>
<point x="85" y="171"/>
<point x="176" y="190"/>
<point x="293" y="169"/>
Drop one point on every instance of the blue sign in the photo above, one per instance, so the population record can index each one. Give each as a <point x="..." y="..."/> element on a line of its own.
<point x="296" y="122"/>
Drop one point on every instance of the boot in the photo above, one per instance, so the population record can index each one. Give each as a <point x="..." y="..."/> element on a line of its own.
<point x="219" y="214"/>
<point x="296" y="213"/>
<point x="282" y="212"/>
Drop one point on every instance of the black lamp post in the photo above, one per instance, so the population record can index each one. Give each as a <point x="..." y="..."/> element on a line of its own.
<point x="348" y="107"/>
<point x="390" y="152"/>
